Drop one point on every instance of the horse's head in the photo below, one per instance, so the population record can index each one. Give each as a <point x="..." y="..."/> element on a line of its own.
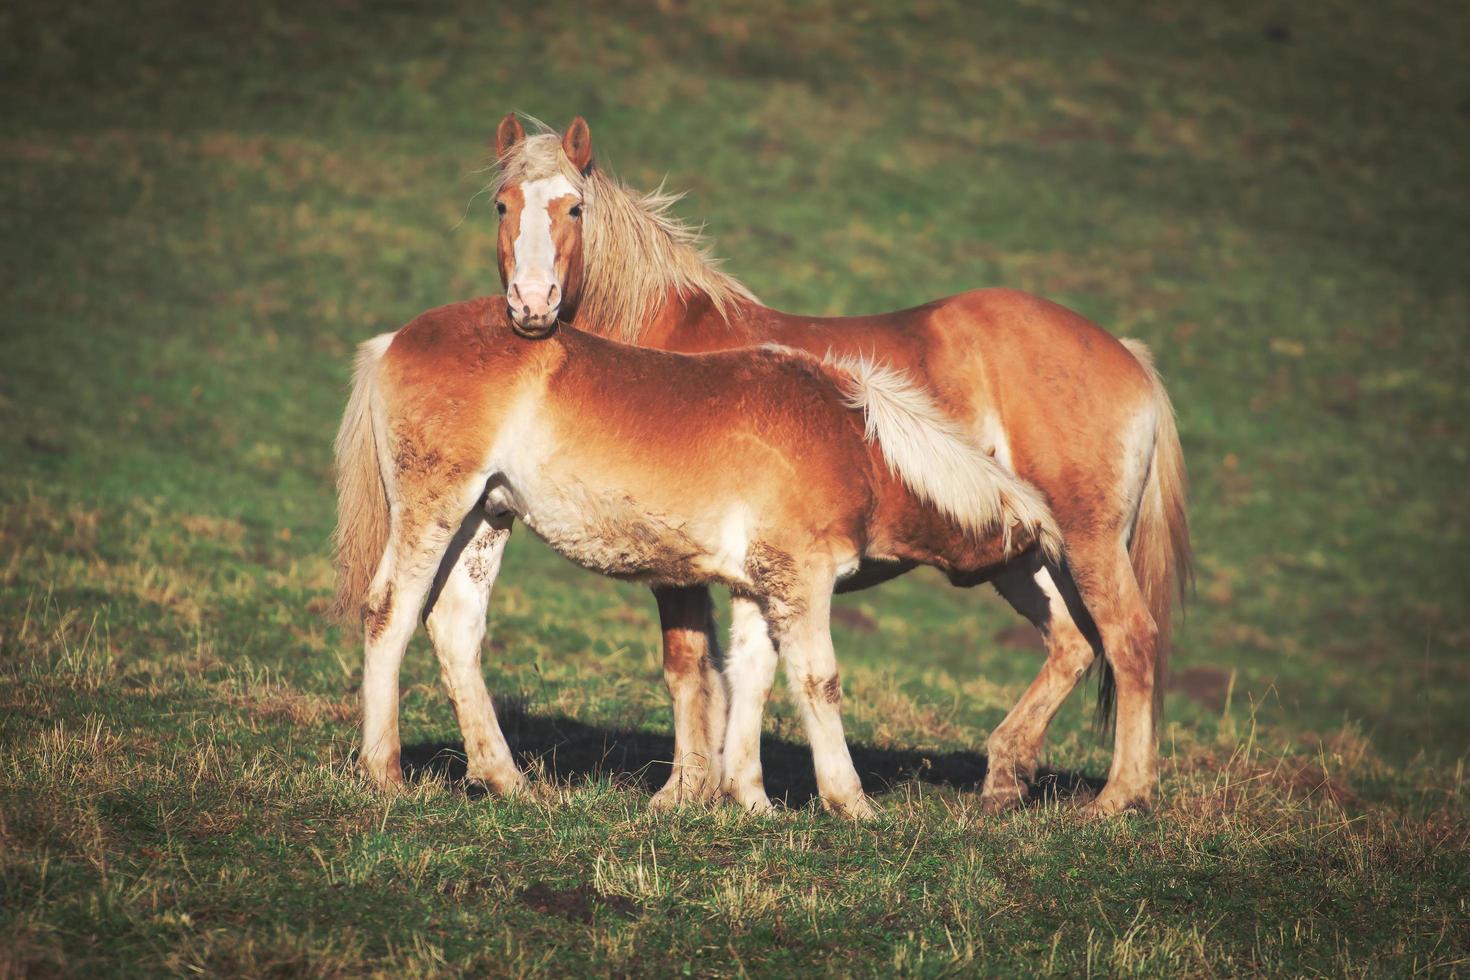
<point x="540" y="207"/>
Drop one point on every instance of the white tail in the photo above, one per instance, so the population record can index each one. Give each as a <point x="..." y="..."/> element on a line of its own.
<point x="935" y="459"/>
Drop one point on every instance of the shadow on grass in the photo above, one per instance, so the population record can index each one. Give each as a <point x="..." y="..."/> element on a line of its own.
<point x="575" y="751"/>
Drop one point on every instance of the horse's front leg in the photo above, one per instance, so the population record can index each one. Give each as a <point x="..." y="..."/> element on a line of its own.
<point x="692" y="671"/>
<point x="456" y="623"/>
<point x="1015" y="745"/>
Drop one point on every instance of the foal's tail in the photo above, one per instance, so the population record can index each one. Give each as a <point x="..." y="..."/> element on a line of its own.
<point x="933" y="457"/>
<point x="362" y="498"/>
<point x="1159" y="549"/>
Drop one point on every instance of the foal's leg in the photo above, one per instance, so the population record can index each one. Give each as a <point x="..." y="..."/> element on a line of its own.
<point x="697" y="687"/>
<point x="456" y="623"/>
<point x="404" y="576"/>
<point x="1015" y="745"/>
<point x="805" y="642"/>
<point x="750" y="668"/>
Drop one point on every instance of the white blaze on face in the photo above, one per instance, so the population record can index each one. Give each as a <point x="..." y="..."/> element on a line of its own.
<point x="533" y="288"/>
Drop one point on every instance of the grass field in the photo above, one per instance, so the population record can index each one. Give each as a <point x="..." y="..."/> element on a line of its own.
<point x="204" y="207"/>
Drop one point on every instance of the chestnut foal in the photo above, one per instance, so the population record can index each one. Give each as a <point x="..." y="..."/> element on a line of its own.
<point x="762" y="469"/>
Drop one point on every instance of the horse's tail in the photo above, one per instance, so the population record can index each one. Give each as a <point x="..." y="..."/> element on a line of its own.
<point x="935" y="460"/>
<point x="362" y="497"/>
<point x="1159" y="549"/>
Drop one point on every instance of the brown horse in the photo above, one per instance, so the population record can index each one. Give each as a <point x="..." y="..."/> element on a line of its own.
<point x="759" y="469"/>
<point x="1055" y="398"/>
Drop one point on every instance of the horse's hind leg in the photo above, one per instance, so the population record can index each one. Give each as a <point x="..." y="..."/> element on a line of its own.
<point x="456" y="622"/>
<point x="399" y="589"/>
<point x="1130" y="640"/>
<point x="697" y="688"/>
<point x="1015" y="745"/>
<point x="750" y="670"/>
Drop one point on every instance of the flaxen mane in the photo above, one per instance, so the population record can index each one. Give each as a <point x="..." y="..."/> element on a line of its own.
<point x="635" y="252"/>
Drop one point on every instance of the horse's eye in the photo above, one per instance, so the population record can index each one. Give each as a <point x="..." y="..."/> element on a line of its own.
<point x="500" y="208"/>
<point x="576" y="211"/>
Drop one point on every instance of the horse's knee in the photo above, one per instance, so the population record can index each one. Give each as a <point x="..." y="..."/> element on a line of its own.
<point x="376" y="611"/>
<point x="1130" y="636"/>
<point x="686" y="655"/>
<point x="1145" y="630"/>
<point x="1130" y="645"/>
<point x="822" y="690"/>
<point x="1069" y="653"/>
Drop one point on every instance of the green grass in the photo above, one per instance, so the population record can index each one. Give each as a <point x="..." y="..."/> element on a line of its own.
<point x="203" y="209"/>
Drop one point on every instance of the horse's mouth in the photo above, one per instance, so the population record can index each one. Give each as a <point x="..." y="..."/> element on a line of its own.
<point x="533" y="328"/>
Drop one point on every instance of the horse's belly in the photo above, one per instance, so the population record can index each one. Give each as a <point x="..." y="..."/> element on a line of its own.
<point x="609" y="532"/>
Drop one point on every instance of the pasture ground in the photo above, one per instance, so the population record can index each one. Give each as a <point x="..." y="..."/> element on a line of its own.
<point x="205" y="206"/>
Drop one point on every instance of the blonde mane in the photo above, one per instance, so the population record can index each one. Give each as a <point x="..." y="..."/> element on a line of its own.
<point x="635" y="253"/>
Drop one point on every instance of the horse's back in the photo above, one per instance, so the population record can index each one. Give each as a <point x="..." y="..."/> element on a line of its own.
<point x="1021" y="333"/>
<point x="1055" y="397"/>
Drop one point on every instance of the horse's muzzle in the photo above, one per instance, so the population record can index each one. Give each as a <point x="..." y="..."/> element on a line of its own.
<point x="533" y="327"/>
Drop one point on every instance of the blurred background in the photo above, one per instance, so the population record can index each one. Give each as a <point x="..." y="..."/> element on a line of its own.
<point x="205" y="206"/>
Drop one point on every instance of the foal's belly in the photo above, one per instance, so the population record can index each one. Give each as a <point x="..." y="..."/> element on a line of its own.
<point x="608" y="530"/>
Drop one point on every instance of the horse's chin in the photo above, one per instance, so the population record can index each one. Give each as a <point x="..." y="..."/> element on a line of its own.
<point x="533" y="329"/>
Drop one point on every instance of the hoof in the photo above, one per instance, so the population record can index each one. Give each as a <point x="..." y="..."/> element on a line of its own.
<point x="667" y="799"/>
<point x="386" y="778"/>
<point x="535" y="791"/>
<point x="686" y="792"/>
<point x="1104" y="807"/>
<point x="759" y="806"/>
<point x="1002" y="802"/>
<point x="672" y="798"/>
<point x="857" y="808"/>
<point x="517" y="787"/>
<point x="1007" y="782"/>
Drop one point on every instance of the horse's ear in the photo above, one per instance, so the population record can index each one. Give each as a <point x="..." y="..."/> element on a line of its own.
<point x="577" y="144"/>
<point x="507" y="135"/>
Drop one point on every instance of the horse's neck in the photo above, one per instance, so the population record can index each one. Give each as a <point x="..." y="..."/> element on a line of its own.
<point x="691" y="323"/>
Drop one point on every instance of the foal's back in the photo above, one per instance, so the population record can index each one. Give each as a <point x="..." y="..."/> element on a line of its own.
<point x="693" y="464"/>
<point x="772" y="421"/>
<point x="636" y="463"/>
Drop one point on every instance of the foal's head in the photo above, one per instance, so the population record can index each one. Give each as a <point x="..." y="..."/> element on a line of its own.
<point x="540" y="208"/>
